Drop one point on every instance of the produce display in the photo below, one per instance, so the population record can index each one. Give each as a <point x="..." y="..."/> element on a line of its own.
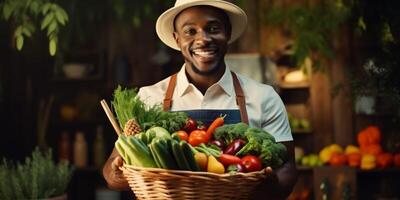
<point x="154" y="138"/>
<point x="369" y="154"/>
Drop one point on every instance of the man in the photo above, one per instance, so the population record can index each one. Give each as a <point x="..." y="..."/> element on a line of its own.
<point x="202" y="30"/>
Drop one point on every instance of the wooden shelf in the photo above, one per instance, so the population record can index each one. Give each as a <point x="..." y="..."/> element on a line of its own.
<point x="302" y="131"/>
<point x="302" y="168"/>
<point x="296" y="85"/>
<point x="390" y="170"/>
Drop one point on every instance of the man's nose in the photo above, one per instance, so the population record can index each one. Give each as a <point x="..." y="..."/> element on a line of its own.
<point x="203" y="37"/>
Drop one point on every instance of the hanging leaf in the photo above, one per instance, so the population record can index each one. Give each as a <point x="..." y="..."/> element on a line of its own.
<point x="46" y="21"/>
<point x="46" y="8"/>
<point x="18" y="31"/>
<point x="52" y="47"/>
<point x="63" y="13"/>
<point x="7" y="11"/>
<point x="60" y="17"/>
<point x="26" y="31"/>
<point x="20" y="42"/>
<point x="52" y="27"/>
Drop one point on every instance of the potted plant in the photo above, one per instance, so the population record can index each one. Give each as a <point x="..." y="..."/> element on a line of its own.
<point x="39" y="177"/>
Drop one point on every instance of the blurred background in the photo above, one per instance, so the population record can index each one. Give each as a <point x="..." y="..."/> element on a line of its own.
<point x="335" y="64"/>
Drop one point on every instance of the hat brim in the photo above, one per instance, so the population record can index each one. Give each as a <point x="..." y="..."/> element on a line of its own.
<point x="165" y="23"/>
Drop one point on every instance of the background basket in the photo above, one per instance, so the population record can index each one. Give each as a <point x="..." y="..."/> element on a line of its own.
<point x="154" y="183"/>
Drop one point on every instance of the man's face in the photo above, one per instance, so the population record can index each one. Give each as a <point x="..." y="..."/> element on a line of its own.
<point x="202" y="33"/>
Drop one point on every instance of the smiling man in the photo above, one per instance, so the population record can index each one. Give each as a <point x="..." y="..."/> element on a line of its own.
<point x="205" y="87"/>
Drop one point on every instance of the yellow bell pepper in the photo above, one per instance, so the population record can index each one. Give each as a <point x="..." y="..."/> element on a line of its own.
<point x="326" y="152"/>
<point x="215" y="166"/>
<point x="351" y="149"/>
<point x="368" y="161"/>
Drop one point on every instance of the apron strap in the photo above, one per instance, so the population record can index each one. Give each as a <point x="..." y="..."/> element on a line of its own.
<point x="240" y="99"/>
<point x="170" y="91"/>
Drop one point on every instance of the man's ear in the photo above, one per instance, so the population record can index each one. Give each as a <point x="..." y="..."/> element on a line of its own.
<point x="176" y="37"/>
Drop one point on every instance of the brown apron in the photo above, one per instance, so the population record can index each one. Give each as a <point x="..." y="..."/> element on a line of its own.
<point x="240" y="99"/>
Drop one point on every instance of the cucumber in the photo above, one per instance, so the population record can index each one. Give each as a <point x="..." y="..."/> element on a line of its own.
<point x="175" y="137"/>
<point x="189" y="156"/>
<point x="155" y="156"/>
<point x="179" y="156"/>
<point x="164" y="154"/>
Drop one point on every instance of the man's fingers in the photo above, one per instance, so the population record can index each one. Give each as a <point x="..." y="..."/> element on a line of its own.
<point x="117" y="162"/>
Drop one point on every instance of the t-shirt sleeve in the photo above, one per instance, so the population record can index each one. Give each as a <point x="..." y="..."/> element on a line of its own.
<point x="275" y="119"/>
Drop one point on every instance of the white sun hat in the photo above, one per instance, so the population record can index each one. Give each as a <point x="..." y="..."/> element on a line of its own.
<point x="165" y="22"/>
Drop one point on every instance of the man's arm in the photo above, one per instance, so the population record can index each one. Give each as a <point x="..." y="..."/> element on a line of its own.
<point x="280" y="182"/>
<point x="112" y="174"/>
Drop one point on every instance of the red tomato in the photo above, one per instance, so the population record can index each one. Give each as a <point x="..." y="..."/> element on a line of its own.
<point x="251" y="163"/>
<point x="197" y="137"/>
<point x="183" y="135"/>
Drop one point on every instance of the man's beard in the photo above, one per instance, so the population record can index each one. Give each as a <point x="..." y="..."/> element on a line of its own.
<point x="205" y="73"/>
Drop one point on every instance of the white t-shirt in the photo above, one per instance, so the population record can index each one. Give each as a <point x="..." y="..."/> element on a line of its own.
<point x="265" y="108"/>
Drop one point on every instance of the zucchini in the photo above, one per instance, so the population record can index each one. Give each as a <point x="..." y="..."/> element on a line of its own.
<point x="179" y="156"/>
<point x="189" y="156"/>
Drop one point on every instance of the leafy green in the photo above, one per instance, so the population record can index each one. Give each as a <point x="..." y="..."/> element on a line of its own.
<point x="263" y="145"/>
<point x="230" y="132"/>
<point x="39" y="177"/>
<point x="127" y="105"/>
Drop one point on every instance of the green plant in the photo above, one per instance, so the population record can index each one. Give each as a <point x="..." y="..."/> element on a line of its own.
<point x="26" y="15"/>
<point x="39" y="177"/>
<point x="377" y="25"/>
<point x="310" y="26"/>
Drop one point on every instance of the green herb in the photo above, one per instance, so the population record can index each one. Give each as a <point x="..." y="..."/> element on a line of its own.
<point x="127" y="105"/>
<point x="39" y="177"/>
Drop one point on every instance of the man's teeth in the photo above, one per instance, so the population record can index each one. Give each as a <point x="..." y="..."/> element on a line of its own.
<point x="203" y="53"/>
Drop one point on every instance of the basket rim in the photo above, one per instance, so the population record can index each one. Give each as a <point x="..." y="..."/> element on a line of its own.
<point x="185" y="172"/>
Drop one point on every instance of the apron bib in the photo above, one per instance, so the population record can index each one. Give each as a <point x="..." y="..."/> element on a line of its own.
<point x="207" y="116"/>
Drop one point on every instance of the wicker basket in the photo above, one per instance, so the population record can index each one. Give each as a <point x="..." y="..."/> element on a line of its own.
<point x="154" y="183"/>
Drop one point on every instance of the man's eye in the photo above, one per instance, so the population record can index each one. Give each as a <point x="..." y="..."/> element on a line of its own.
<point x="214" y="29"/>
<point x="190" y="31"/>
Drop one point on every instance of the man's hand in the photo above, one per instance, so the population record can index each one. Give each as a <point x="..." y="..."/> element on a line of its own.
<point x="113" y="175"/>
<point x="117" y="163"/>
<point x="279" y="182"/>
